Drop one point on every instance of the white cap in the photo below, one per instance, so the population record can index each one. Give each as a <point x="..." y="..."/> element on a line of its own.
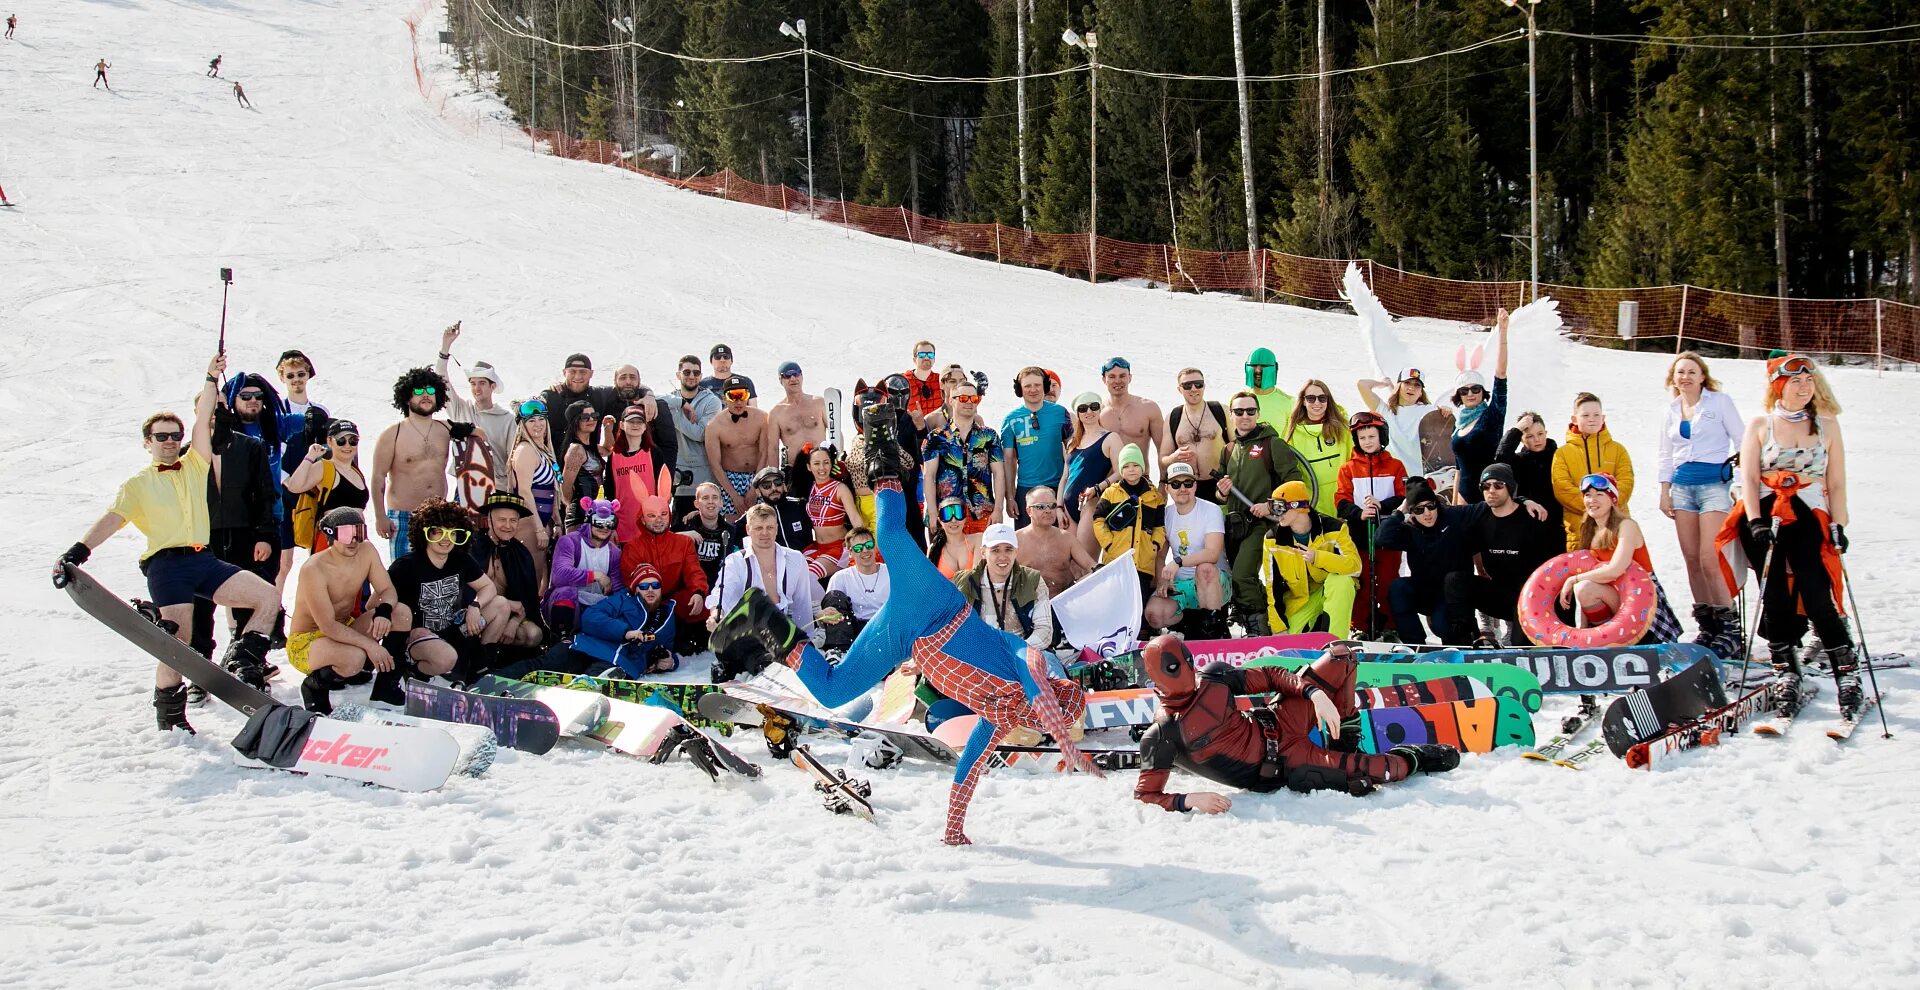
<point x="482" y="369"/>
<point x="999" y="534"/>
<point x="1410" y="375"/>
<point x="1179" y="469"/>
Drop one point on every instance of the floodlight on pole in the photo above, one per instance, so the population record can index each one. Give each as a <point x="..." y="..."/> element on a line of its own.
<point x="1089" y="42"/>
<point x="798" y="31"/>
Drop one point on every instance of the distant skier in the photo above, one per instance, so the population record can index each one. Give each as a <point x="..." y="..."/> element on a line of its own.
<point x="213" y="67"/>
<point x="241" y="95"/>
<point x="12" y="22"/>
<point x="100" y="75"/>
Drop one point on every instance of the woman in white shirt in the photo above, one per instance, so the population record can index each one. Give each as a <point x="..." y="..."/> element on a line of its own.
<point x="1697" y="443"/>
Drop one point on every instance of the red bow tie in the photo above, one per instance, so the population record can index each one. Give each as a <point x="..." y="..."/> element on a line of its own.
<point x="175" y="466"/>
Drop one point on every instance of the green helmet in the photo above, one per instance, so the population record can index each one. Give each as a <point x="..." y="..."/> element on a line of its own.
<point x="1262" y="368"/>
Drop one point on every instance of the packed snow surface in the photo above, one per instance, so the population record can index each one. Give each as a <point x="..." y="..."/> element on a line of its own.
<point x="360" y="221"/>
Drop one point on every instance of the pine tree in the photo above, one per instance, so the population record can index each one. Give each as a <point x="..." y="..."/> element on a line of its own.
<point x="594" y="119"/>
<point x="914" y="134"/>
<point x="731" y="118"/>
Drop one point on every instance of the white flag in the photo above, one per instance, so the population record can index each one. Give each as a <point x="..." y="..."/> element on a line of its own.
<point x="1102" y="611"/>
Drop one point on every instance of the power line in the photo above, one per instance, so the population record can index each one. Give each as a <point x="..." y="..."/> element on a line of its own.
<point x="1772" y="46"/>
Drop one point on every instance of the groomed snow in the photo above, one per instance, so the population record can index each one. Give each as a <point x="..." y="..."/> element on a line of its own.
<point x="359" y="223"/>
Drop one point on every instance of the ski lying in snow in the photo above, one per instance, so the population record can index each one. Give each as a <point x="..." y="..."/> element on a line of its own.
<point x="403" y="758"/>
<point x="844" y="795"/>
<point x="1555" y="751"/>
<point x="1705" y="730"/>
<point x="1652" y="711"/>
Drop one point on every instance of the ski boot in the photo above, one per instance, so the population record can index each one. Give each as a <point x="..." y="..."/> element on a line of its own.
<point x="247" y="660"/>
<point x="1846" y="678"/>
<point x="781" y="730"/>
<point x="884" y="457"/>
<point x="1786" y="673"/>
<point x="1428" y="757"/>
<point x="170" y="708"/>
<point x="316" y="692"/>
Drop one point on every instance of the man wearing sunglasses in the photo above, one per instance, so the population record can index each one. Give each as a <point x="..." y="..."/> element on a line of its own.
<point x="1203" y="729"/>
<point x="1513" y="537"/>
<point x="1047" y="545"/>
<point x="410" y="457"/>
<point x="241" y="505"/>
<point x="1435" y="539"/>
<point x="865" y="585"/>
<point x="770" y="489"/>
<point x="691" y="408"/>
<point x="964" y="460"/>
<point x="1256" y="461"/>
<point x="798" y="419"/>
<point x="1195" y="574"/>
<point x="333" y="637"/>
<point x="1133" y="419"/>
<point x="255" y="410"/>
<point x="925" y="395"/>
<point x="167" y="502"/>
<point x="445" y="601"/>
<point x="740" y="441"/>
<point x="1198" y="429"/>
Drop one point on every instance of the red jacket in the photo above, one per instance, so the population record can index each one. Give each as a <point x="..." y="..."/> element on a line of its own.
<point x="672" y="554"/>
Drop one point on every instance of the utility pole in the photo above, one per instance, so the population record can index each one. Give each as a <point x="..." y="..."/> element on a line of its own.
<point x="1533" y="154"/>
<point x="798" y="31"/>
<point x="1091" y="44"/>
<point x="533" y="75"/>
<point x="1021" y="9"/>
<point x="1246" y="142"/>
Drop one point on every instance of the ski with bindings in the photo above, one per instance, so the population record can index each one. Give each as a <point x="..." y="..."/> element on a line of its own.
<point x="843" y="795"/>
<point x="1780" y="722"/>
<point x="1653" y="711"/>
<point x="834" y="402"/>
<point x="1842" y="729"/>
<point x="1571" y="727"/>
<point x="1706" y="730"/>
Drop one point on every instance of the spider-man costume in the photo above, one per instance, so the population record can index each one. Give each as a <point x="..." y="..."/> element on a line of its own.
<point x="1203" y="731"/>
<point x="992" y="672"/>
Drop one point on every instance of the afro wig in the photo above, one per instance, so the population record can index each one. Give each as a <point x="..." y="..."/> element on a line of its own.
<point x="419" y="378"/>
<point x="437" y="512"/>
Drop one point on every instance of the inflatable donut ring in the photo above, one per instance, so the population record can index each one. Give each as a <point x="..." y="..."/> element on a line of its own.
<point x="1542" y="591"/>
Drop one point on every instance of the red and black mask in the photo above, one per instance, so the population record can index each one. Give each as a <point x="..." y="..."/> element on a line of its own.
<point x="1169" y="666"/>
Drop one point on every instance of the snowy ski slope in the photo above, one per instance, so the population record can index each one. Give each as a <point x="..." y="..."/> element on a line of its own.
<point x="359" y="223"/>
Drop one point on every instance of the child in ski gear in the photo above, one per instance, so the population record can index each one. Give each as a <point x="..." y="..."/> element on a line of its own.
<point x="1370" y="485"/>
<point x="1589" y="449"/>
<point x="991" y="672"/>
<point x="1202" y="729"/>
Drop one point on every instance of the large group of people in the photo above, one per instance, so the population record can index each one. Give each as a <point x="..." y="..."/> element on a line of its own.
<point x="610" y="528"/>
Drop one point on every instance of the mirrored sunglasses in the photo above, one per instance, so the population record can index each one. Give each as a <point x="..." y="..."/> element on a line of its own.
<point x="738" y="395"/>
<point x="1043" y="507"/>
<point x="647" y="586"/>
<point x="426" y="390"/>
<point x="967" y="400"/>
<point x="861" y="547"/>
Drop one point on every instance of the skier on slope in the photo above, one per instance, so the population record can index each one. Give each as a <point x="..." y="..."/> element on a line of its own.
<point x="241" y="96"/>
<point x="100" y="75"/>
<point x="213" y="67"/>
<point x="994" y="673"/>
<point x="13" y="21"/>
<point x="1202" y="730"/>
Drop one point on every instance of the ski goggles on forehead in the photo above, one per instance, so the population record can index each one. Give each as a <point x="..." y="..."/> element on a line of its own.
<point x="447" y="534"/>
<point x="1599" y="483"/>
<point x="602" y="522"/>
<point x="530" y="409"/>
<point x="1794" y="365"/>
<point x="345" y="534"/>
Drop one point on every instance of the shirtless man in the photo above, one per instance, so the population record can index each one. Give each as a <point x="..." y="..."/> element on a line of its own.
<point x="330" y="637"/>
<point x="740" y="441"/>
<point x="1197" y="431"/>
<point x="799" y="418"/>
<point x="1135" y="420"/>
<point x="410" y="458"/>
<point x="1048" y="547"/>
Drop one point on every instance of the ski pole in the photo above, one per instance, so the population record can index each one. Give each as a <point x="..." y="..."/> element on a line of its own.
<point x="1866" y="657"/>
<point x="1766" y="571"/>
<point x="226" y="282"/>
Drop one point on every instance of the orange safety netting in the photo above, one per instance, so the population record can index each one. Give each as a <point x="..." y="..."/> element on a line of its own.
<point x="1878" y="328"/>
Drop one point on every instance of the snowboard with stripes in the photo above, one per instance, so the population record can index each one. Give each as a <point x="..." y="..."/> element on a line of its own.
<point x="1653" y="711"/>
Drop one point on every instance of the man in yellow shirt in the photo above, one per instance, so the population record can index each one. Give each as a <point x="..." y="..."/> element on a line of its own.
<point x="167" y="502"/>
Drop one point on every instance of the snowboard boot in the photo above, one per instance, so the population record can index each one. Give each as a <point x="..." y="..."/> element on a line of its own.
<point x="316" y="692"/>
<point x="1727" y="642"/>
<point x="389" y="686"/>
<point x="170" y="708"/>
<point x="1707" y="621"/>
<point x="247" y="659"/>
<point x="1255" y="624"/>
<point x="1428" y="757"/>
<point x="1846" y="679"/>
<point x="781" y="731"/>
<point x="196" y="695"/>
<point x="884" y="460"/>
<point x="1786" y="673"/>
<point x="756" y="617"/>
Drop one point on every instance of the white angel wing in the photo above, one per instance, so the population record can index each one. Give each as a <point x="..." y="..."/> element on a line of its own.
<point x="1537" y="374"/>
<point x="1376" y="326"/>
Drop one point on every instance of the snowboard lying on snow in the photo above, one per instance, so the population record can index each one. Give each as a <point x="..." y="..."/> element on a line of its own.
<point x="407" y="758"/>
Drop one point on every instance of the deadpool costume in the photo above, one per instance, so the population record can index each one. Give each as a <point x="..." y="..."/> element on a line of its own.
<point x="1202" y="729"/>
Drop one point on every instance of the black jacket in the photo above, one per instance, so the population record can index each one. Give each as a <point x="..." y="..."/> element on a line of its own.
<point x="516" y="563"/>
<point x="1436" y="551"/>
<point x="244" y="494"/>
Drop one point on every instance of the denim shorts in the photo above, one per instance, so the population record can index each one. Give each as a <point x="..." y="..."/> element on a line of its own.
<point x="1712" y="496"/>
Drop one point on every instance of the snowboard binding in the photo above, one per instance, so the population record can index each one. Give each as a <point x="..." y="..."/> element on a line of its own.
<point x="781" y="730"/>
<point x="1103" y="676"/>
<point x="699" y="752"/>
<point x="836" y="798"/>
<point x="151" y="612"/>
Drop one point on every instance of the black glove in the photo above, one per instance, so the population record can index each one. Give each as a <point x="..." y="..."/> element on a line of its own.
<point x="76" y="554"/>
<point x="460" y="432"/>
<point x="1838" y="534"/>
<point x="1761" y="530"/>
